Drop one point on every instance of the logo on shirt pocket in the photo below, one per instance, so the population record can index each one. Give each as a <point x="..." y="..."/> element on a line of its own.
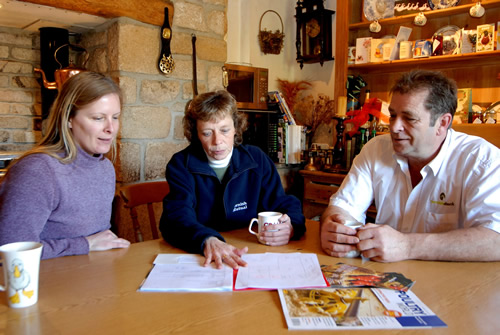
<point x="439" y="206"/>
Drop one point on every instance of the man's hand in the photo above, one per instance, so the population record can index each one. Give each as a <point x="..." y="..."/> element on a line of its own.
<point x="337" y="239"/>
<point x="383" y="243"/>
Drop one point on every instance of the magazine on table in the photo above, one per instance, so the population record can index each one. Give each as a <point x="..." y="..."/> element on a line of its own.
<point x="346" y="275"/>
<point x="355" y="308"/>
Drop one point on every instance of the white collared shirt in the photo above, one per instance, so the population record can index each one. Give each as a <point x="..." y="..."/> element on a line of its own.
<point x="460" y="187"/>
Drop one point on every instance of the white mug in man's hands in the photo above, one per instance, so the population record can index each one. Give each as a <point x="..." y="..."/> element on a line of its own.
<point x="265" y="219"/>
<point x="354" y="225"/>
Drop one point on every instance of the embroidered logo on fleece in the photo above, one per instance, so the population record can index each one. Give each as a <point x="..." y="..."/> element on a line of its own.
<point x="442" y="197"/>
<point x="240" y="206"/>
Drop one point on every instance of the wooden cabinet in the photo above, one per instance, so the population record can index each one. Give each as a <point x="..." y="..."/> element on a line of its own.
<point x="318" y="187"/>
<point x="479" y="71"/>
<point x="490" y="132"/>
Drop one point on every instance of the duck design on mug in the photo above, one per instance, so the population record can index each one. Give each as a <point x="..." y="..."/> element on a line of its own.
<point x="19" y="280"/>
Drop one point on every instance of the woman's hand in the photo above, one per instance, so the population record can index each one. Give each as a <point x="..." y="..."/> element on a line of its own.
<point x="217" y="251"/>
<point x="106" y="240"/>
<point x="277" y="234"/>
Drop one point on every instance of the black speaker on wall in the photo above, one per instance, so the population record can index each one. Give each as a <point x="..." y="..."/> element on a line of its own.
<point x="51" y="39"/>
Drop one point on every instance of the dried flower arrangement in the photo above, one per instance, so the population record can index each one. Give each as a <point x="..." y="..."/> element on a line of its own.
<point x="315" y="112"/>
<point x="307" y="111"/>
<point x="291" y="90"/>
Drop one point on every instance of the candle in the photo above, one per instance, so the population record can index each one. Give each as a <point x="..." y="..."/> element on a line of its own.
<point x="341" y="106"/>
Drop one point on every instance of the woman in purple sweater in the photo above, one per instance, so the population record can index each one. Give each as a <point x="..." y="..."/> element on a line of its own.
<point x="61" y="191"/>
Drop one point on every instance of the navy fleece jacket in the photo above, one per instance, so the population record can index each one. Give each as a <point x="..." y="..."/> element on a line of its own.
<point x="199" y="205"/>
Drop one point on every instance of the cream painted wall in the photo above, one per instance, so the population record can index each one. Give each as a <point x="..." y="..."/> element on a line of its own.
<point x="243" y="45"/>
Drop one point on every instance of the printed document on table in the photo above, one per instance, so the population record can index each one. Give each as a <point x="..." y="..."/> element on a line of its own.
<point x="180" y="272"/>
<point x="280" y="270"/>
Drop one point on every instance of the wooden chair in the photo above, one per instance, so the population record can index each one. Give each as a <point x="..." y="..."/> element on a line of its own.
<point x="144" y="194"/>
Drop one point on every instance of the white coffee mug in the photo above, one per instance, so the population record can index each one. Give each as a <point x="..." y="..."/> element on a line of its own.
<point x="354" y="225"/>
<point x="21" y="267"/>
<point x="265" y="219"/>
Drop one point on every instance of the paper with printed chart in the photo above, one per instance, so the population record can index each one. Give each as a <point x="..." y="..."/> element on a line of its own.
<point x="280" y="270"/>
<point x="181" y="272"/>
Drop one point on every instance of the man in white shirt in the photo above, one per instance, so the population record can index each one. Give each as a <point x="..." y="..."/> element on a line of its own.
<point x="437" y="191"/>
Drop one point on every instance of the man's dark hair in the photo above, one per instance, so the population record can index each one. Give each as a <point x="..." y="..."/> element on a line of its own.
<point x="442" y="97"/>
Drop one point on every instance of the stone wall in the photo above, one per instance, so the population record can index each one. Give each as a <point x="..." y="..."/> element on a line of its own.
<point x="128" y="51"/>
<point x="20" y="108"/>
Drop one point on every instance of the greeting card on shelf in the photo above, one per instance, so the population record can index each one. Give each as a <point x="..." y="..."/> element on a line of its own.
<point x="468" y="41"/>
<point x="485" y="37"/>
<point x="403" y="35"/>
<point x="363" y="47"/>
<point x="377" y="49"/>
<point x="464" y="105"/>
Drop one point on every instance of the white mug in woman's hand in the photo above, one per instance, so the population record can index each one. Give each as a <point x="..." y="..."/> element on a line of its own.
<point x="265" y="219"/>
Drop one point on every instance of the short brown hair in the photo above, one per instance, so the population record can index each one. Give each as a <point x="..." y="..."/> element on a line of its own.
<point x="213" y="106"/>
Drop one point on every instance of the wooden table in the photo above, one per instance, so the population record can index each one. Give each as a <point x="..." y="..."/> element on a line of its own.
<point x="97" y="294"/>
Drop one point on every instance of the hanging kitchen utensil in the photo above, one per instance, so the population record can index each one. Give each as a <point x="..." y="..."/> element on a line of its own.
<point x="166" y="63"/>
<point x="63" y="74"/>
<point x="195" y="78"/>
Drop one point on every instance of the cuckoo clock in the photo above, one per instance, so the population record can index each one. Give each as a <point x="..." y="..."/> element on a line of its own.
<point x="314" y="32"/>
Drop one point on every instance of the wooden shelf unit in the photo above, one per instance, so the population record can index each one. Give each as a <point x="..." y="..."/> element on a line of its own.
<point x="479" y="71"/>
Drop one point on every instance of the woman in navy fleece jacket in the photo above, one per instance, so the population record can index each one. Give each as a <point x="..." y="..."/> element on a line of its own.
<point x="217" y="184"/>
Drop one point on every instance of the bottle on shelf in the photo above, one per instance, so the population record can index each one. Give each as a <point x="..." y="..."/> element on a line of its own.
<point x="373" y="127"/>
<point x="437" y="44"/>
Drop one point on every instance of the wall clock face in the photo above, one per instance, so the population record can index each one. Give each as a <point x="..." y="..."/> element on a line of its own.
<point x="312" y="28"/>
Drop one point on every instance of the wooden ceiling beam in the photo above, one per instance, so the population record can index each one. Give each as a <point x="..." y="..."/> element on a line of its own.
<point x="149" y="11"/>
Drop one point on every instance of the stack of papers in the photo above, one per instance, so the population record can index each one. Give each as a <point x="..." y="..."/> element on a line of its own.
<point x="178" y="272"/>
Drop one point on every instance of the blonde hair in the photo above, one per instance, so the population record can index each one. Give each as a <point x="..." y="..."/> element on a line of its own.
<point x="77" y="92"/>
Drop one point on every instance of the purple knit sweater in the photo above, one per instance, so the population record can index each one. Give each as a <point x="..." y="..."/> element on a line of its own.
<point x="58" y="204"/>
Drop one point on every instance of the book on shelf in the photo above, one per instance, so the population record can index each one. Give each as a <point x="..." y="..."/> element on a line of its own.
<point x="295" y="144"/>
<point x="280" y="147"/>
<point x="283" y="106"/>
<point x="272" y="141"/>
